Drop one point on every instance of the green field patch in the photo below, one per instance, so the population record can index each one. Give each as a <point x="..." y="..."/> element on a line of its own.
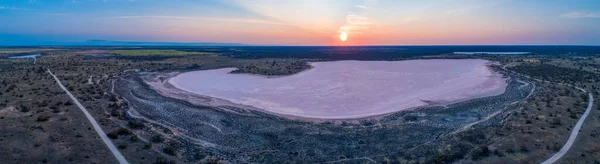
<point x="157" y="53"/>
<point x="21" y="50"/>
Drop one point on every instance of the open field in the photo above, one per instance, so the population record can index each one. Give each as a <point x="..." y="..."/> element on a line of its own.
<point x="39" y="123"/>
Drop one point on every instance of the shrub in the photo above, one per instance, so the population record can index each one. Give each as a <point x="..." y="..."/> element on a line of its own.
<point x="573" y="116"/>
<point x="123" y="131"/>
<point x="24" y="108"/>
<point x="42" y="118"/>
<point x="68" y="103"/>
<point x="499" y="153"/>
<point x="147" y="146"/>
<point x="52" y="138"/>
<point x="169" y="150"/>
<point x="161" y="160"/>
<point x="122" y="145"/>
<point x="113" y="135"/>
<point x="524" y="149"/>
<point x="556" y="122"/>
<point x="480" y="153"/>
<point x="115" y="113"/>
<point x="157" y="139"/>
<point x="135" y="124"/>
<point x="134" y="138"/>
<point x="199" y="155"/>
<point x="411" y="118"/>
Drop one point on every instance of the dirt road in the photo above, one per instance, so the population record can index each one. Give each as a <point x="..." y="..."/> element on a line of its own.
<point x="97" y="127"/>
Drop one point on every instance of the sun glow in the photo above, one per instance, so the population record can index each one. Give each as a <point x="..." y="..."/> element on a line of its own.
<point x="343" y="36"/>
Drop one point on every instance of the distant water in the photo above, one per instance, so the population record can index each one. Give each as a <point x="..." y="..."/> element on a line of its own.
<point x="492" y="53"/>
<point x="33" y="56"/>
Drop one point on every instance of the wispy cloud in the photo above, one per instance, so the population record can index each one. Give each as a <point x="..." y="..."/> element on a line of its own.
<point x="362" y="6"/>
<point x="576" y="15"/>
<point x="317" y="22"/>
<point x="105" y="1"/>
<point x="358" y="20"/>
<point x="410" y="19"/>
<point x="471" y="8"/>
<point x="56" y="14"/>
<point x="235" y="20"/>
<point x="10" y="8"/>
<point x="24" y="9"/>
<point x="461" y="10"/>
<point x="357" y="23"/>
<point x="151" y="16"/>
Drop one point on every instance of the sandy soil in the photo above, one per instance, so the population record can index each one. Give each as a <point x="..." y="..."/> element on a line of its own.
<point x="338" y="90"/>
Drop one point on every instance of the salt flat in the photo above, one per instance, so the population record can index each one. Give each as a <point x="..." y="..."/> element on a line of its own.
<point x="350" y="89"/>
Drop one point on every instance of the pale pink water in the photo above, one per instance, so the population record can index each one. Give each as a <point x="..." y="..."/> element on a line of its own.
<point x="350" y="89"/>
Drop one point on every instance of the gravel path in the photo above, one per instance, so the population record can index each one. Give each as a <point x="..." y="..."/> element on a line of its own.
<point x="97" y="127"/>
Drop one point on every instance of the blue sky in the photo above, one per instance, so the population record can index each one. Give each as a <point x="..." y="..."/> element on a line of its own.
<point x="308" y="22"/>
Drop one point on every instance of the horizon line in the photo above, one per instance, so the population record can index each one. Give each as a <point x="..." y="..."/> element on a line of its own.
<point x="259" y="45"/>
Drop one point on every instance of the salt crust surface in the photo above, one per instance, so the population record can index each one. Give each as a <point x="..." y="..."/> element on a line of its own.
<point x="350" y="89"/>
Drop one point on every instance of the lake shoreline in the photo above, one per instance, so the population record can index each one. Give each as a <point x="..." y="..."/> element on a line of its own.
<point x="162" y="83"/>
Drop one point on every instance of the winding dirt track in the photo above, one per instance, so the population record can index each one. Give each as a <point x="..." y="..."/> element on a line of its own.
<point x="574" y="133"/>
<point x="97" y="127"/>
<point x="577" y="127"/>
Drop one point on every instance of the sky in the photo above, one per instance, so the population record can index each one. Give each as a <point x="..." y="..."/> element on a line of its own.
<point x="303" y="22"/>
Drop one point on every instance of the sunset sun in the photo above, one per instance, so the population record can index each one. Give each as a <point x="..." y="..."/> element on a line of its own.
<point x="343" y="36"/>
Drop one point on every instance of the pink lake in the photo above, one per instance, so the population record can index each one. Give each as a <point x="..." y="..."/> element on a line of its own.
<point x="350" y="89"/>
